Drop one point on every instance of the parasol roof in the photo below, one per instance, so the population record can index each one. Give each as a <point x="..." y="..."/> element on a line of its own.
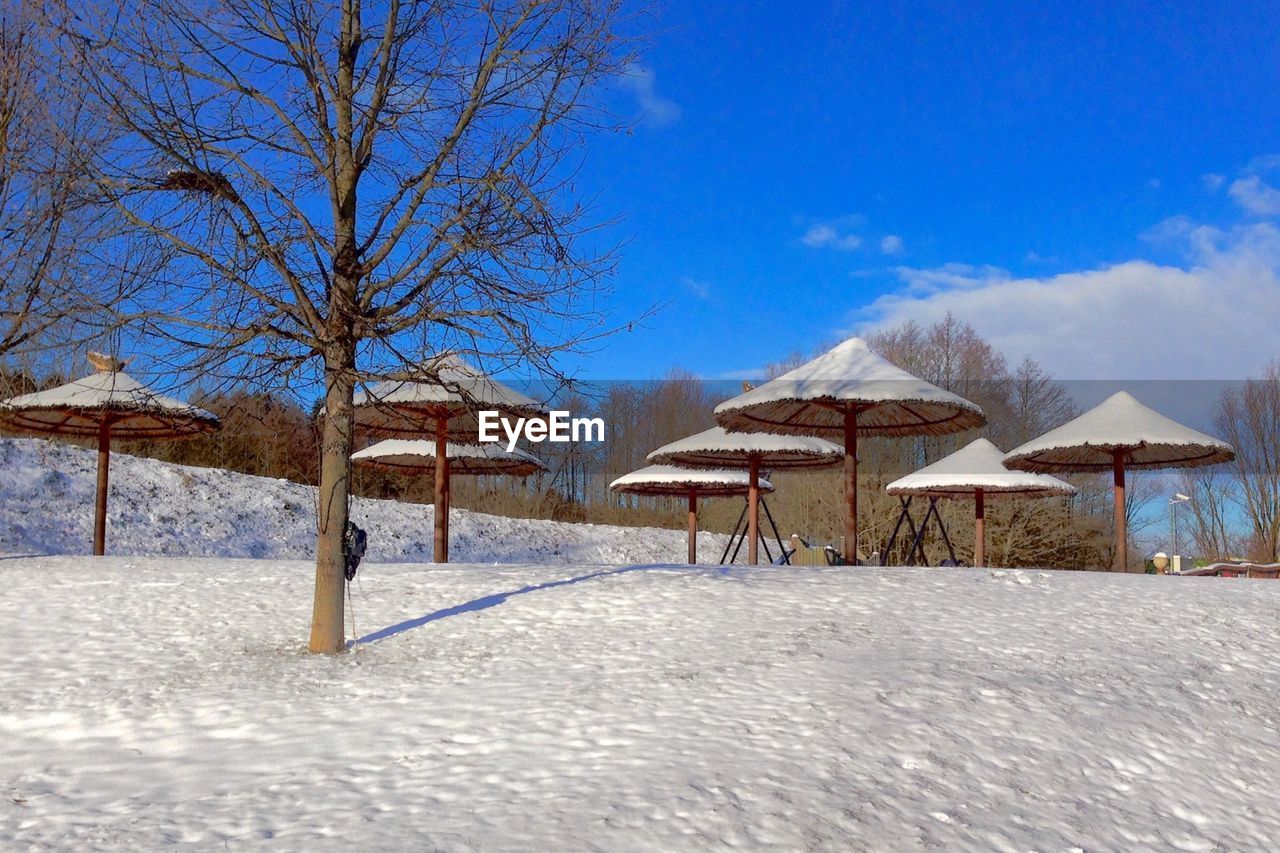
<point x="977" y="465"/>
<point x="657" y="480"/>
<point x="79" y="408"/>
<point x="1148" y="439"/>
<point x="717" y="447"/>
<point x="404" y="455"/>
<point x="814" y="397"/>
<point x="455" y="389"/>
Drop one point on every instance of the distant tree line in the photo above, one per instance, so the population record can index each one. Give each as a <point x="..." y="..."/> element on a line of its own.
<point x="1235" y="511"/>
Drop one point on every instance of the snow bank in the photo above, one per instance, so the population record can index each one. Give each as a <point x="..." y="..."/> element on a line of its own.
<point x="152" y="701"/>
<point x="46" y="507"/>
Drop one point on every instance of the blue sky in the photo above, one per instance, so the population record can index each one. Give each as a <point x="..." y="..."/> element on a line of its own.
<point x="1092" y="185"/>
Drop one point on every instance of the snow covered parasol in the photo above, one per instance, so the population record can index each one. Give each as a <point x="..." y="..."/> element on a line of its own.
<point x="410" y="456"/>
<point x="106" y="404"/>
<point x="1119" y="433"/>
<point x="976" y="471"/>
<point x="844" y="392"/>
<point x="717" y="447"/>
<point x="446" y="403"/>
<point x="673" y="481"/>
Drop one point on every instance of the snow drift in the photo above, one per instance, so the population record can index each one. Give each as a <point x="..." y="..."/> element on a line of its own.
<point x="46" y="507"/>
<point x="149" y="702"/>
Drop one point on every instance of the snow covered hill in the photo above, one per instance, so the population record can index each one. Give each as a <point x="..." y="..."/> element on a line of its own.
<point x="46" y="507"/>
<point x="149" y="702"/>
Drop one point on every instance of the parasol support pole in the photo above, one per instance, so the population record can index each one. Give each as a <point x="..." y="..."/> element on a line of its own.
<point x="753" y="511"/>
<point x="937" y="516"/>
<point x="441" y="498"/>
<point x="100" y="503"/>
<point x="979" y="529"/>
<point x="782" y="549"/>
<point x="1120" y="561"/>
<point x="724" y="555"/>
<point x="693" y="526"/>
<point x="850" y="485"/>
<point x="917" y="544"/>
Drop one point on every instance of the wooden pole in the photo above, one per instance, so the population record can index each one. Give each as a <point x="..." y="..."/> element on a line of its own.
<point x="441" y="513"/>
<point x="100" y="502"/>
<point x="850" y="485"/>
<point x="753" y="511"/>
<point x="693" y="526"/>
<point x="1120" y="562"/>
<point x="979" y="529"/>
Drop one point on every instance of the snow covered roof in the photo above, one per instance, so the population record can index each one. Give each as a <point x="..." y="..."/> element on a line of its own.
<point x="457" y="390"/>
<point x="977" y="465"/>
<point x="673" y="480"/>
<point x="717" y="447"/>
<point x="814" y="397"/>
<point x="407" y="455"/>
<point x="79" y="408"/>
<point x="1148" y="438"/>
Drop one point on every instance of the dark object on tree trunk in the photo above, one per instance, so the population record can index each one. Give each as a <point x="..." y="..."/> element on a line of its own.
<point x="213" y="183"/>
<point x="354" y="543"/>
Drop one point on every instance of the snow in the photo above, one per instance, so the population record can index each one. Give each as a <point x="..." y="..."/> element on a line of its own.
<point x="674" y="480"/>
<point x="153" y="701"/>
<point x="46" y="507"/>
<point x="809" y="399"/>
<point x="717" y="447"/>
<point x="977" y="465"/>
<point x="71" y="409"/>
<point x="1150" y="440"/>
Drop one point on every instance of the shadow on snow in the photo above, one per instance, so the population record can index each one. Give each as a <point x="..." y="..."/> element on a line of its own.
<point x="485" y="602"/>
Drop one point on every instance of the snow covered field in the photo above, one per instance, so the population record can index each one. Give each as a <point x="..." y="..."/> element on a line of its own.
<point x="46" y="507"/>
<point x="157" y="700"/>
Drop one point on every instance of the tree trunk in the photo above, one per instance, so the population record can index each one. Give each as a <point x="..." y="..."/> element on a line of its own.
<point x="327" y="627"/>
<point x="327" y="623"/>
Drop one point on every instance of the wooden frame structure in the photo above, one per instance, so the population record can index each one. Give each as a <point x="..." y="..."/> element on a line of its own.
<point x="105" y="405"/>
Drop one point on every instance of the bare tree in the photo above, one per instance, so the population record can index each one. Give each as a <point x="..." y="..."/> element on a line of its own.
<point x="1249" y="419"/>
<point x="47" y="223"/>
<point x="1037" y="403"/>
<point x="355" y="189"/>
<point x="1208" y="515"/>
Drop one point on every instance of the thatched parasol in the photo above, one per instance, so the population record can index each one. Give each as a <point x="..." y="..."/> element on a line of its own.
<point x="976" y="471"/>
<point x="691" y="483"/>
<point x="1116" y="434"/>
<point x="445" y="403"/>
<point x="410" y="456"/>
<point x="107" y="404"/>
<point x="407" y="456"/>
<point x="719" y="448"/>
<point x="844" y="392"/>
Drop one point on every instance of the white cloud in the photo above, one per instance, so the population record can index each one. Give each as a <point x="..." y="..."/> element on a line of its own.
<point x="655" y="110"/>
<point x="823" y="236"/>
<point x="891" y="244"/>
<point x="1213" y="181"/>
<point x="1256" y="196"/>
<point x="1214" y="318"/>
<point x="698" y="289"/>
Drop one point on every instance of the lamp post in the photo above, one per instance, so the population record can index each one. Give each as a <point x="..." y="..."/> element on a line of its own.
<point x="1178" y="498"/>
